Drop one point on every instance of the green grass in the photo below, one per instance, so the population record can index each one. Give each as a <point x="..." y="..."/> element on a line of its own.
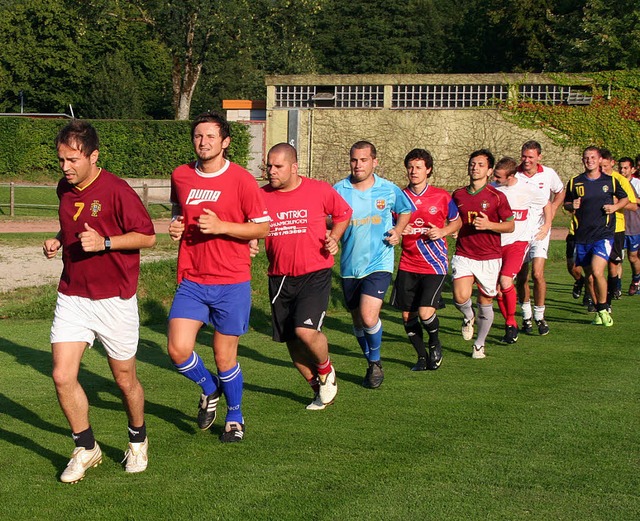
<point x="546" y="429"/>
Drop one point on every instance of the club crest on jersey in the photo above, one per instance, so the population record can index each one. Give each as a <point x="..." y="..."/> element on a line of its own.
<point x="605" y="189"/>
<point x="484" y="205"/>
<point x="381" y="204"/>
<point x="199" y="195"/>
<point x="95" y="208"/>
<point x="433" y="210"/>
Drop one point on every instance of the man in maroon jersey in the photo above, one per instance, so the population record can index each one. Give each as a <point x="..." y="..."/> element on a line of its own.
<point x="218" y="208"/>
<point x="485" y="214"/>
<point x="103" y="225"/>
<point x="300" y="250"/>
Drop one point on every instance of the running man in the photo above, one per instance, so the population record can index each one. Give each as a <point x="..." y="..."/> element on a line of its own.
<point x="424" y="261"/>
<point x="547" y="181"/>
<point x="485" y="214"/>
<point x="366" y="263"/>
<point x="300" y="250"/>
<point x="103" y="225"/>
<point x="590" y="196"/>
<point x="632" y="226"/>
<point x="217" y="209"/>
<point x="522" y="197"/>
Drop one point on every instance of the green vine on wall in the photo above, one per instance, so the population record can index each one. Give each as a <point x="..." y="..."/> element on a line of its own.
<point x="612" y="120"/>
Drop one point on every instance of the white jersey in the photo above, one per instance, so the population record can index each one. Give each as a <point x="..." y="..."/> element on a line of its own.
<point x="548" y="182"/>
<point x="522" y="198"/>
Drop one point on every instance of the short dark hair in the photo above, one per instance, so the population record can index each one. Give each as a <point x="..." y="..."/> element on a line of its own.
<point x="594" y="148"/>
<point x="359" y="145"/>
<point x="420" y="153"/>
<point x="507" y="163"/>
<point x="626" y="159"/>
<point x="532" y="145"/>
<point x="212" y="117"/>
<point x="484" y="152"/>
<point x="605" y="153"/>
<point x="80" y="135"/>
<point x="289" y="151"/>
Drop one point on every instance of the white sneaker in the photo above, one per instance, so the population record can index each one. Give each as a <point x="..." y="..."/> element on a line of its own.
<point x="81" y="460"/>
<point x="478" y="352"/>
<point x="316" y="404"/>
<point x="136" y="457"/>
<point x="328" y="387"/>
<point x="467" y="328"/>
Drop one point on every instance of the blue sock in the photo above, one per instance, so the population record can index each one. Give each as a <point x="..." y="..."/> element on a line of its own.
<point x="374" y="340"/>
<point x="362" y="340"/>
<point x="195" y="370"/>
<point x="231" y="381"/>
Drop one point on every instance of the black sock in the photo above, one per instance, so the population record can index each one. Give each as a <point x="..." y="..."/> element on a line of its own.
<point x="432" y="326"/>
<point x="414" y="332"/>
<point x="84" y="439"/>
<point x="137" y="434"/>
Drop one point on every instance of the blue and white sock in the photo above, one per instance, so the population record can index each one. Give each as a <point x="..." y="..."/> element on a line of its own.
<point x="374" y="340"/>
<point x="231" y="382"/>
<point x="195" y="370"/>
<point x="362" y="340"/>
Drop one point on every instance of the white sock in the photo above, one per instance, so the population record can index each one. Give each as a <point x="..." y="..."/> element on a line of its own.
<point x="526" y="310"/>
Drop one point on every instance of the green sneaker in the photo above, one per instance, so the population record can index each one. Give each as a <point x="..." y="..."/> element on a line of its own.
<point x="607" y="321"/>
<point x="598" y="320"/>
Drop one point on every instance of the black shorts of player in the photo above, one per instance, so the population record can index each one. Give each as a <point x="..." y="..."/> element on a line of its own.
<point x="298" y="302"/>
<point x="617" y="249"/>
<point x="571" y="246"/>
<point x="375" y="285"/>
<point x="416" y="290"/>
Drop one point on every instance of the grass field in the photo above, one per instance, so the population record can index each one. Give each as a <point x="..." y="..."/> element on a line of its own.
<point x="545" y="429"/>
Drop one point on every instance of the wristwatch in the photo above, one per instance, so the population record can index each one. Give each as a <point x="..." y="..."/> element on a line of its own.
<point x="107" y="243"/>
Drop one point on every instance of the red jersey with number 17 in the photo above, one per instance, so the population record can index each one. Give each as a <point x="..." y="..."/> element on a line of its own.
<point x="480" y="244"/>
<point x="295" y="245"/>
<point x="233" y="194"/>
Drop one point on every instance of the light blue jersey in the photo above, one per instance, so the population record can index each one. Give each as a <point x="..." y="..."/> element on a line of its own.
<point x="364" y="249"/>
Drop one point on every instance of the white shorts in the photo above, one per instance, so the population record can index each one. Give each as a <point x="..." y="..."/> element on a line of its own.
<point x="484" y="272"/>
<point x="538" y="248"/>
<point x="114" y="321"/>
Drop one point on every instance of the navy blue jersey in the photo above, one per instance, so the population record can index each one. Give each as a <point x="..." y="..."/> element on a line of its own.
<point x="591" y="223"/>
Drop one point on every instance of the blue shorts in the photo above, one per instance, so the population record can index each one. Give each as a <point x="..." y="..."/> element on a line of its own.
<point x="631" y="243"/>
<point x="375" y="285"/>
<point x="225" y="306"/>
<point x="585" y="252"/>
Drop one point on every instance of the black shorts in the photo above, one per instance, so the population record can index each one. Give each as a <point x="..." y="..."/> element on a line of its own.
<point x="375" y="285"/>
<point x="298" y="302"/>
<point x="416" y="290"/>
<point x="618" y="247"/>
<point x="571" y="246"/>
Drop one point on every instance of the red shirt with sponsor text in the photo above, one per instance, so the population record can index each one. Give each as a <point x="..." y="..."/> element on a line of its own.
<point x="480" y="244"/>
<point x="111" y="207"/>
<point x="295" y="244"/>
<point x="233" y="194"/>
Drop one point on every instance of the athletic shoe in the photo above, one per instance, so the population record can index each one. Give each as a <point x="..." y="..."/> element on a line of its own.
<point x="207" y="409"/>
<point x="136" y="457"/>
<point x="607" y="321"/>
<point x="81" y="460"/>
<point x="478" y="352"/>
<point x="543" y="327"/>
<point x="591" y="307"/>
<point x="577" y="288"/>
<point x="634" y="288"/>
<point x="375" y="375"/>
<point x="421" y="364"/>
<point x="467" y="328"/>
<point x="527" y="326"/>
<point x="597" y="321"/>
<point x="316" y="404"/>
<point x="328" y="387"/>
<point x="510" y="335"/>
<point x="435" y="356"/>
<point x="233" y="431"/>
<point x="616" y="294"/>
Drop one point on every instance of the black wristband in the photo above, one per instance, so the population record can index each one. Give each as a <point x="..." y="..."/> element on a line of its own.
<point x="107" y="243"/>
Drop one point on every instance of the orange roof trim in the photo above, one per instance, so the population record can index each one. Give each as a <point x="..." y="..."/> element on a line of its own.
<point x="243" y="104"/>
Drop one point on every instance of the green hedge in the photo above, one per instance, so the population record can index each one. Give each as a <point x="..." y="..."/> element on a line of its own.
<point x="128" y="148"/>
